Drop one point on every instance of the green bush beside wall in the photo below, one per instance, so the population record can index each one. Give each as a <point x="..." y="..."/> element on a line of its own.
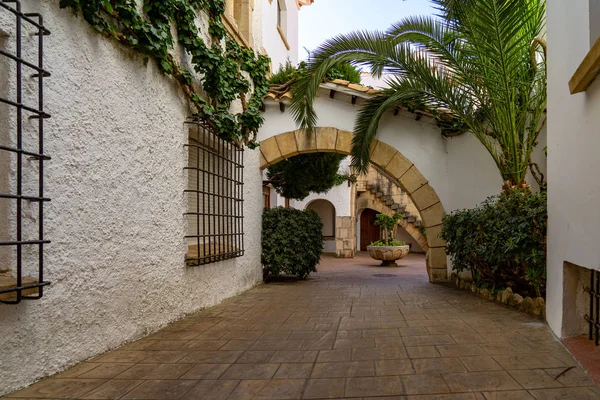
<point x="502" y="242"/>
<point x="292" y="242"/>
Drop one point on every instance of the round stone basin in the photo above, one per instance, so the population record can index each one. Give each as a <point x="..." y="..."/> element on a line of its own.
<point x="388" y="254"/>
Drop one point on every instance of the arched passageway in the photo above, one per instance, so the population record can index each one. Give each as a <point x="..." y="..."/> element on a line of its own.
<point x="326" y="211"/>
<point x="393" y="163"/>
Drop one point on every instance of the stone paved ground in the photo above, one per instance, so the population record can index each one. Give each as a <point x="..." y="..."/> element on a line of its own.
<point x="346" y="333"/>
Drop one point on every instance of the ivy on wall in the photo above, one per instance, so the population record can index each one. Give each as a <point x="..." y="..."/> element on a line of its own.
<point x="220" y="62"/>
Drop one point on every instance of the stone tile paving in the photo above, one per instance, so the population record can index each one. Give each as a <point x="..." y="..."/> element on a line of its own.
<point x="345" y="333"/>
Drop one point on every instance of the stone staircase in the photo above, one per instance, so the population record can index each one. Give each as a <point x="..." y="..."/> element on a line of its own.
<point x="377" y="191"/>
<point x="389" y="200"/>
<point x="389" y="194"/>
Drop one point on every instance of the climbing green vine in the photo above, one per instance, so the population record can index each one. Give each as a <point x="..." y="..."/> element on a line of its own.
<point x="221" y="63"/>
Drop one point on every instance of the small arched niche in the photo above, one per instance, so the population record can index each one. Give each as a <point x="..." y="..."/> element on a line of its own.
<point x="326" y="211"/>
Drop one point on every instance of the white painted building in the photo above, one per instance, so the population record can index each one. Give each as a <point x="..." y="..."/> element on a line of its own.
<point x="573" y="162"/>
<point x="280" y="30"/>
<point x="116" y="180"/>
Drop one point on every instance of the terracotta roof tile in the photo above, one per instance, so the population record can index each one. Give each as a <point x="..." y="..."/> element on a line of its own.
<point x="340" y="82"/>
<point x="358" y="88"/>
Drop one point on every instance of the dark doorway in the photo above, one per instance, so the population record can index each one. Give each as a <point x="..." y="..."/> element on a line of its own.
<point x="369" y="232"/>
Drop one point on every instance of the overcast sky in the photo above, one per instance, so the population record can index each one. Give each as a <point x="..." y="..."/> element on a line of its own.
<point x="327" y="18"/>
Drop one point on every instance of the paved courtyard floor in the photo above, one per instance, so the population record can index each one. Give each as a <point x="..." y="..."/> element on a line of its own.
<point x="351" y="331"/>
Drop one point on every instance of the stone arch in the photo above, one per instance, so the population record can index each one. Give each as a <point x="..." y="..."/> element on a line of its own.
<point x="395" y="165"/>
<point x="410" y="228"/>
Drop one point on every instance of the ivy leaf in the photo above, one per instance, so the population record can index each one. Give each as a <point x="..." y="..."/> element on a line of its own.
<point x="108" y="6"/>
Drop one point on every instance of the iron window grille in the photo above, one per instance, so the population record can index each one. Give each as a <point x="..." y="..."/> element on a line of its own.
<point x="593" y="318"/>
<point x="215" y="217"/>
<point x="21" y="162"/>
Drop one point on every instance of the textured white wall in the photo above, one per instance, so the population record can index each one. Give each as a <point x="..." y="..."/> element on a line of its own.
<point x="573" y="162"/>
<point x="116" y="221"/>
<point x="272" y="41"/>
<point x="479" y="177"/>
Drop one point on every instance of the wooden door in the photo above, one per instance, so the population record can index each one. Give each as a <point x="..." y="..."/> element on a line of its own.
<point x="369" y="232"/>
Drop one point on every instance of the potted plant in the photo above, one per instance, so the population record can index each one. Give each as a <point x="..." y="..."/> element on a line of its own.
<point x="388" y="250"/>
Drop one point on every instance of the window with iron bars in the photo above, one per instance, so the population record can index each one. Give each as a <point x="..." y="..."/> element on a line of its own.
<point x="215" y="216"/>
<point x="22" y="156"/>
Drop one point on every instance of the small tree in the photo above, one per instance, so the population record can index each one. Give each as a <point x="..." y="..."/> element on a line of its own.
<point x="301" y="175"/>
<point x="388" y="226"/>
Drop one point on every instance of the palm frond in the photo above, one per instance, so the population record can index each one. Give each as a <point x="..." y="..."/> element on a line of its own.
<point x="357" y="48"/>
<point x="474" y="60"/>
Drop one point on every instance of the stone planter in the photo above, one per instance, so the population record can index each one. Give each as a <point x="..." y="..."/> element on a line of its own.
<point x="534" y="307"/>
<point x="388" y="254"/>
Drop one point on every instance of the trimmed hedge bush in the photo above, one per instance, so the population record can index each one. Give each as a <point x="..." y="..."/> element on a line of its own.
<point x="292" y="242"/>
<point x="502" y="242"/>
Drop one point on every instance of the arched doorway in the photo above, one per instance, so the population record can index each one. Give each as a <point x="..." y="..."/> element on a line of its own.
<point x="326" y="211"/>
<point x="393" y="163"/>
<point x="369" y="232"/>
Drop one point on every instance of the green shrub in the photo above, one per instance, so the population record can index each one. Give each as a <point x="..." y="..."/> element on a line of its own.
<point x="289" y="72"/>
<point x="502" y="241"/>
<point x="390" y="243"/>
<point x="387" y="226"/>
<point x="292" y="241"/>
<point x="285" y="73"/>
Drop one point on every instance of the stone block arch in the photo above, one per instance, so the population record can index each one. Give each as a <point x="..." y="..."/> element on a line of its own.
<point x="392" y="162"/>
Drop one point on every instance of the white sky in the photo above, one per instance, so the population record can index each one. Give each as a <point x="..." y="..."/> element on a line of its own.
<point x="327" y="18"/>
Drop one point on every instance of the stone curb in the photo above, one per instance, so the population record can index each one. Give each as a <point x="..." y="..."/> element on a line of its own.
<point x="535" y="307"/>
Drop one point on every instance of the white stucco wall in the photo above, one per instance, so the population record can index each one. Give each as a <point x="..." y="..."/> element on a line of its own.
<point x="116" y="180"/>
<point x="479" y="177"/>
<point x="272" y="41"/>
<point x="573" y="162"/>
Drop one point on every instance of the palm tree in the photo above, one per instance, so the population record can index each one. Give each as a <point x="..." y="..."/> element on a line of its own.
<point x="482" y="59"/>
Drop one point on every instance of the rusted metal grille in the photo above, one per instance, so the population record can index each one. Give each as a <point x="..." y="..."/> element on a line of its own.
<point x="215" y="213"/>
<point x="593" y="318"/>
<point x="22" y="158"/>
